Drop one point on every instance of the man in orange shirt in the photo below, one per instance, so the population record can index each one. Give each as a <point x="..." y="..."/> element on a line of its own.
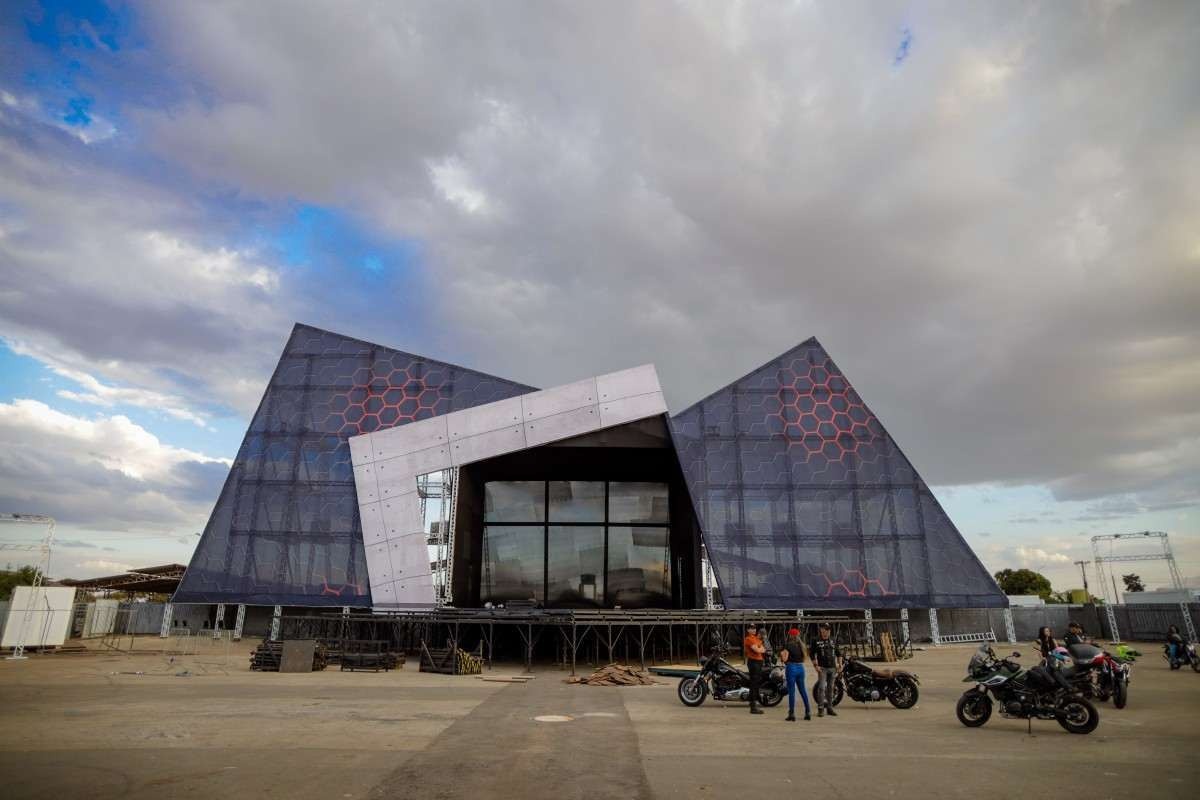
<point x="753" y="649"/>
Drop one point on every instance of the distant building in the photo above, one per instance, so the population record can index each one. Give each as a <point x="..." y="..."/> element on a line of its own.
<point x="1162" y="596"/>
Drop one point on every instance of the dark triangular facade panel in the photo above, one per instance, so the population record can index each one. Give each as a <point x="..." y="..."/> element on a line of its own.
<point x="806" y="502"/>
<point x="285" y="529"/>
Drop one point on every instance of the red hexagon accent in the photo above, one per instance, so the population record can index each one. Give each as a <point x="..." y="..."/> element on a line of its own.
<point x="819" y="410"/>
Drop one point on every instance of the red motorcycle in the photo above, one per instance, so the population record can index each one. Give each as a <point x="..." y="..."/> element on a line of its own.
<point x="1096" y="673"/>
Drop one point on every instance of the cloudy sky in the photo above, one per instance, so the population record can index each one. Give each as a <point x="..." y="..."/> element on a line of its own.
<point x="985" y="212"/>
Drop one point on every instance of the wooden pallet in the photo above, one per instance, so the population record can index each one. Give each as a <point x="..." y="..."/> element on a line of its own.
<point x="268" y="655"/>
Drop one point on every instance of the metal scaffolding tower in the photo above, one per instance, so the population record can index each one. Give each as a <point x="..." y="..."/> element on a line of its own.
<point x="39" y="576"/>
<point x="1104" y="563"/>
<point x="441" y="487"/>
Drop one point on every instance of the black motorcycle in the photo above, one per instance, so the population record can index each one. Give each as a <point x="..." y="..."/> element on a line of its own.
<point x="868" y="685"/>
<point x="726" y="682"/>
<point x="1041" y="693"/>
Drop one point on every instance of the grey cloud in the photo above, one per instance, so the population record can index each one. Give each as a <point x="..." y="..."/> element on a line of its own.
<point x="995" y="239"/>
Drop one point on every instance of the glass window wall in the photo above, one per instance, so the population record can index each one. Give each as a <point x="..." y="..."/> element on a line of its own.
<point x="514" y="558"/>
<point x="603" y="544"/>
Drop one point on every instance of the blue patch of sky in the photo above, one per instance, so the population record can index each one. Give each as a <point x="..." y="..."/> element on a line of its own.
<point x="904" y="48"/>
<point x="329" y="241"/>
<point x="74" y="57"/>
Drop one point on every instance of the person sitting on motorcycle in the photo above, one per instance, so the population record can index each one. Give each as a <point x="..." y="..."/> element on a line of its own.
<point x="1174" y="646"/>
<point x="1074" y="635"/>
<point x="1046" y="643"/>
<point x="825" y="656"/>
<point x="752" y="647"/>
<point x="793" y="658"/>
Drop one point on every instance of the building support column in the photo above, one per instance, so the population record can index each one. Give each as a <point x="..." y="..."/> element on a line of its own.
<point x="275" y="621"/>
<point x="904" y="625"/>
<point x="934" y="633"/>
<point x="241" y="621"/>
<point x="867" y="615"/>
<point x="164" y="630"/>
<point x="219" y="621"/>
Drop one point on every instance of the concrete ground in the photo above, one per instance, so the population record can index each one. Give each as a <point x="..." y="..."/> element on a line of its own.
<point x="90" y="726"/>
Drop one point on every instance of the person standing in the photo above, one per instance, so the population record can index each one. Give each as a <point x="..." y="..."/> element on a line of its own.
<point x="753" y="649"/>
<point x="825" y="657"/>
<point x="793" y="658"/>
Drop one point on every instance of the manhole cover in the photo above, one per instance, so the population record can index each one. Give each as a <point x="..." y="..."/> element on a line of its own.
<point x="552" y="718"/>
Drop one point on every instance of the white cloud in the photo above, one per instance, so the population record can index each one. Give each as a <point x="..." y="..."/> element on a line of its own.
<point x="115" y="442"/>
<point x="456" y="185"/>
<point x="100" y="565"/>
<point x="1035" y="556"/>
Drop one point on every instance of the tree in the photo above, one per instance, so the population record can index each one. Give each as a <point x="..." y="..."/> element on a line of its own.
<point x="1133" y="583"/>
<point x="10" y="579"/>
<point x="1023" y="581"/>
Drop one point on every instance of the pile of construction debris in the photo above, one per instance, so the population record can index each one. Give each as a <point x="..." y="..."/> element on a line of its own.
<point x="615" y="675"/>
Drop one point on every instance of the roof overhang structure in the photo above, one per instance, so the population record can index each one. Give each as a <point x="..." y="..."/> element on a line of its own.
<point x="152" y="580"/>
<point x="388" y="462"/>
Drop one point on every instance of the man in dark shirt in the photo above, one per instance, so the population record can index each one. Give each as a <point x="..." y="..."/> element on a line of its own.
<point x="825" y="656"/>
<point x="753" y="649"/>
<point x="1074" y="635"/>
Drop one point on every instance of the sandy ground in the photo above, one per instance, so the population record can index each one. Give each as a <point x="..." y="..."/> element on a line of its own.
<point x="84" y="726"/>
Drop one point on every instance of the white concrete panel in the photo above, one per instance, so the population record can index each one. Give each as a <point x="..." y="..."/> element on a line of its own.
<point x="421" y="462"/>
<point x="409" y="556"/>
<point x="627" y="383"/>
<point x="379" y="563"/>
<point x="629" y="409"/>
<point x="401" y="515"/>
<point x="365" y="484"/>
<point x="361" y="450"/>
<point x="394" y="478"/>
<point x="371" y="515"/>
<point x="403" y="439"/>
<point x="559" y="399"/>
<point x="562" y="426"/>
<point x="415" y="591"/>
<point x="487" y="445"/>
<point x="383" y="594"/>
<point x="484" y="419"/>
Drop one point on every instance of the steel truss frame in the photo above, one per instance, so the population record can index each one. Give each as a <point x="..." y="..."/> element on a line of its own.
<point x="44" y="548"/>
<point x="1104" y="570"/>
<point x="641" y="636"/>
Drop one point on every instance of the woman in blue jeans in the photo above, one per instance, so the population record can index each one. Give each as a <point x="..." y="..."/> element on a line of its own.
<point x="793" y="656"/>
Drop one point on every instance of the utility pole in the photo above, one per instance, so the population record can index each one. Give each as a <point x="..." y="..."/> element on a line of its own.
<point x="1083" y="569"/>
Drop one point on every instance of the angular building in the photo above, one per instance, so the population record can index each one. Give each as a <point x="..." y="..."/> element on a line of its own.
<point x="587" y="495"/>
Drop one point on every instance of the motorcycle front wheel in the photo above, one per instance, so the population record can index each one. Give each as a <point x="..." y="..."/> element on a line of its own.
<point x="692" y="691"/>
<point x="973" y="709"/>
<point x="905" y="695"/>
<point x="1121" y="693"/>
<point x="839" y="691"/>
<point x="770" y="696"/>
<point x="1078" y="716"/>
